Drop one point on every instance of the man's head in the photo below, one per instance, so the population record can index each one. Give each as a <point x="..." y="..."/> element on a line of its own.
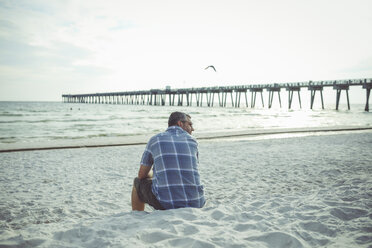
<point x="182" y="120"/>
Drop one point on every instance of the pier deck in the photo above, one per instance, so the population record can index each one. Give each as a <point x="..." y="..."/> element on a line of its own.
<point x="159" y="96"/>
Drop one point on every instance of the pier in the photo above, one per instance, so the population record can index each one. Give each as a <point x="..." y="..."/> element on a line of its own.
<point x="162" y="97"/>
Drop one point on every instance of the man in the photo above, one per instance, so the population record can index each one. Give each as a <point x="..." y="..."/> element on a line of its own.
<point x="173" y="156"/>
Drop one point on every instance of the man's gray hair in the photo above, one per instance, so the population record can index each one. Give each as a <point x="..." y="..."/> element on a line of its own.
<point x="177" y="116"/>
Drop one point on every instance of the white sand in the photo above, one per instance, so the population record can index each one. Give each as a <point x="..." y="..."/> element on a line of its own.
<point x="291" y="192"/>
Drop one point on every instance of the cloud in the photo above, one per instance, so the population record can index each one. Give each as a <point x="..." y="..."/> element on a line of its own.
<point x="120" y="44"/>
<point x="61" y="55"/>
<point x="360" y="67"/>
<point x="122" y="25"/>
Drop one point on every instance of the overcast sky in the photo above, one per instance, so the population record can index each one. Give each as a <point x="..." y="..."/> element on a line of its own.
<point x="48" y="48"/>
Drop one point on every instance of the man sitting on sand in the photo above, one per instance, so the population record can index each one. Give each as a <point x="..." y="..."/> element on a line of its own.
<point x="175" y="182"/>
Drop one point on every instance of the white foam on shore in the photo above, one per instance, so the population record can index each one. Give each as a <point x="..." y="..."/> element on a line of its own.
<point x="312" y="191"/>
<point x="129" y="140"/>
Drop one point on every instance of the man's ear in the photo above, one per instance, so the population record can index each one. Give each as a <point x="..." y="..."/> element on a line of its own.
<point x="179" y="123"/>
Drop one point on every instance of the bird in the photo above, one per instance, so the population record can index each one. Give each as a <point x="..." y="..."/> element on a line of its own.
<point x="211" y="66"/>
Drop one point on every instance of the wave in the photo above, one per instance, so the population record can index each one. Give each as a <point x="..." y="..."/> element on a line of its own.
<point x="54" y="120"/>
<point x="90" y="136"/>
<point x="24" y="121"/>
<point x="10" y="115"/>
<point x="8" y="140"/>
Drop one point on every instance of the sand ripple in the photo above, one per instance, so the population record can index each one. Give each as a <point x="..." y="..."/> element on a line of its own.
<point x="348" y="213"/>
<point x="277" y="239"/>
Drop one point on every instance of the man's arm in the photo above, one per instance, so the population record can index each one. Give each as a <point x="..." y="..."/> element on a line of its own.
<point x="144" y="172"/>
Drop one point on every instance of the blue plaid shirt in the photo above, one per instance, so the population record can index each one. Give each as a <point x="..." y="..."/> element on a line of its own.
<point x="176" y="180"/>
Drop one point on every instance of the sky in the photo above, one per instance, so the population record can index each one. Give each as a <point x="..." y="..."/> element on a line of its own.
<point x="49" y="48"/>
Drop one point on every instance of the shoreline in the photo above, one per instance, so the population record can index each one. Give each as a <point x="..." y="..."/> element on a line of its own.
<point x="142" y="139"/>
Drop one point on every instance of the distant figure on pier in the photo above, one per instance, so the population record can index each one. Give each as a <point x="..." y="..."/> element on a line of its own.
<point x="175" y="180"/>
<point x="211" y="66"/>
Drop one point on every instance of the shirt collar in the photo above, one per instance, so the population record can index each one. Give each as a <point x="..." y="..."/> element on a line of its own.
<point x="175" y="128"/>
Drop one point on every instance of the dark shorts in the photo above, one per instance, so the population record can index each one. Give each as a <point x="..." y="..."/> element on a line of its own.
<point x="143" y="188"/>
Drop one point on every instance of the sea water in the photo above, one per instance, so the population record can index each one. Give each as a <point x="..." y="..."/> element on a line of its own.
<point x="47" y="122"/>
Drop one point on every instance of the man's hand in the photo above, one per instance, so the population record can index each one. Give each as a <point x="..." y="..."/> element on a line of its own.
<point x="150" y="174"/>
<point x="144" y="171"/>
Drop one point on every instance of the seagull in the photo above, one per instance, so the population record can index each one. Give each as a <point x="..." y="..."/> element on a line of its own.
<point x="211" y="66"/>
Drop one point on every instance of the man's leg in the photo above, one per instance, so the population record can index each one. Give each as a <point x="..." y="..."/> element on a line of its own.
<point x="137" y="204"/>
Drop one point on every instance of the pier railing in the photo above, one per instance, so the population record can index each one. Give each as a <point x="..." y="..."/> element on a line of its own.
<point x="184" y="95"/>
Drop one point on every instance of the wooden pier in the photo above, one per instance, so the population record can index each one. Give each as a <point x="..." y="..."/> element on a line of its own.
<point x="158" y="97"/>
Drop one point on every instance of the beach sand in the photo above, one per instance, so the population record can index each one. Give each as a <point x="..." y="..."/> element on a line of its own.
<point x="310" y="191"/>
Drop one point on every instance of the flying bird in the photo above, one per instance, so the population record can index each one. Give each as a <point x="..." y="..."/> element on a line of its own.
<point x="211" y="66"/>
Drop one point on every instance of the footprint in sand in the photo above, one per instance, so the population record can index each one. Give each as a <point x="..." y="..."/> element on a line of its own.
<point x="346" y="214"/>
<point x="155" y="237"/>
<point x="318" y="228"/>
<point x="277" y="239"/>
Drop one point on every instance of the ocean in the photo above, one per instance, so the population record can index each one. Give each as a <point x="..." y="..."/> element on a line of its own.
<point x="29" y="124"/>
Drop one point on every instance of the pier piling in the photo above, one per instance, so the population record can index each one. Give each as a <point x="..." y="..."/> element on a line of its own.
<point x="253" y="98"/>
<point x="290" y="90"/>
<point x="271" y="91"/>
<point x="314" y="89"/>
<point x="368" y="87"/>
<point x="339" y="88"/>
